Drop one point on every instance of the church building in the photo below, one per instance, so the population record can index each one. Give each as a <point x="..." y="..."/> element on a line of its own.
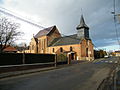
<point x="49" y="41"/>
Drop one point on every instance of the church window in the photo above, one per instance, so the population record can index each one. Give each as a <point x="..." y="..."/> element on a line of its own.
<point x="61" y="49"/>
<point x="44" y="43"/>
<point x="53" y="50"/>
<point x="86" y="52"/>
<point x="71" y="48"/>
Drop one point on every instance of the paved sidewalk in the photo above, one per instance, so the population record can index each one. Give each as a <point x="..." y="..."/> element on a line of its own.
<point x="22" y="72"/>
<point x="16" y="73"/>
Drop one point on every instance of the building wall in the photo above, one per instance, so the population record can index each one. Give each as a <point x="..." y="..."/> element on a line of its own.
<point x="33" y="46"/>
<point x="117" y="54"/>
<point x="87" y="52"/>
<point x="66" y="49"/>
<point x="82" y="51"/>
<point x="44" y="41"/>
<point x="42" y="44"/>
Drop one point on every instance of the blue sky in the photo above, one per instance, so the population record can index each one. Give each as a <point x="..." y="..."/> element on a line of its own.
<point x="65" y="14"/>
<point x="1" y="1"/>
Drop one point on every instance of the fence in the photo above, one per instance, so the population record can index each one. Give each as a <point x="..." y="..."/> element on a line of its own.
<point x="21" y="61"/>
<point x="22" y="58"/>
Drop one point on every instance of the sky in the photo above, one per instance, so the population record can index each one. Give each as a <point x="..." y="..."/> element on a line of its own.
<point x="65" y="14"/>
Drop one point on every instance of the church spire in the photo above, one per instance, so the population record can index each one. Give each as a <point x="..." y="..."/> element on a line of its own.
<point x="82" y="24"/>
<point x="82" y="29"/>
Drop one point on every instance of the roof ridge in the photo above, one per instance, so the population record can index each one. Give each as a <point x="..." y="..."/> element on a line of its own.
<point x="70" y="35"/>
<point x="51" y="28"/>
<point x="44" y="31"/>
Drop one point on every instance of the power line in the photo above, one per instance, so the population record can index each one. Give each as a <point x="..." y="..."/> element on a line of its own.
<point x="4" y="11"/>
<point x="11" y="14"/>
<point x="14" y="16"/>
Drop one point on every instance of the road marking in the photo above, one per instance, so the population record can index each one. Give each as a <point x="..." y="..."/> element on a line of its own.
<point x="106" y="61"/>
<point x="110" y="61"/>
<point x="116" y="61"/>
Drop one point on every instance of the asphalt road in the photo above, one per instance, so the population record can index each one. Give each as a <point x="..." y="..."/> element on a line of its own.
<point x="83" y="76"/>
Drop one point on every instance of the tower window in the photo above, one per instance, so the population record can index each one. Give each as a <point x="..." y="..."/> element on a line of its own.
<point x="61" y="49"/>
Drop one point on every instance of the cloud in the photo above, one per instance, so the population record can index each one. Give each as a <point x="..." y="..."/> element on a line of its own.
<point x="66" y="15"/>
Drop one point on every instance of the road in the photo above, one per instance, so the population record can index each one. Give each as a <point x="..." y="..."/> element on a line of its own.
<point x="82" y="76"/>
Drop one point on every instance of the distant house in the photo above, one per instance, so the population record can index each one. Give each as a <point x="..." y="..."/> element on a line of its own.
<point x="77" y="46"/>
<point x="10" y="49"/>
<point x="117" y="53"/>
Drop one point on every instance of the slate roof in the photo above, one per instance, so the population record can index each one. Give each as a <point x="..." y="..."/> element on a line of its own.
<point x="43" y="32"/>
<point x="67" y="40"/>
<point x="82" y="23"/>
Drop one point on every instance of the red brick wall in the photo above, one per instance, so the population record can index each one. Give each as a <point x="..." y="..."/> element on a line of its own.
<point x="87" y="44"/>
<point x="66" y="48"/>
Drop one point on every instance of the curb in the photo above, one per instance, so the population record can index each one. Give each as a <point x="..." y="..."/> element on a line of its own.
<point x="17" y="73"/>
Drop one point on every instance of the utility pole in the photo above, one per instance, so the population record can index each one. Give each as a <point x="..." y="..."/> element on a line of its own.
<point x="117" y="36"/>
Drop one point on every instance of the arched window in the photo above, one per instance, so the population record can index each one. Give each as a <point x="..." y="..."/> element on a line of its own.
<point x="61" y="49"/>
<point x="53" y="50"/>
<point x="71" y="48"/>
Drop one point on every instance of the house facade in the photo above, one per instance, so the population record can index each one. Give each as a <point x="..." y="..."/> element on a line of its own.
<point x="77" y="46"/>
<point x="10" y="49"/>
<point x="117" y="53"/>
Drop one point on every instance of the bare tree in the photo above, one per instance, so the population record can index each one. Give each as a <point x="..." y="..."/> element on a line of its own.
<point x="8" y="33"/>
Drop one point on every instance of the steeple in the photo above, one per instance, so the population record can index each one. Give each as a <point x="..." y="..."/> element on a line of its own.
<point x="82" y="29"/>
<point x="82" y="24"/>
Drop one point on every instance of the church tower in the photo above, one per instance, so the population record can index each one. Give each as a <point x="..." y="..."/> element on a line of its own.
<point x="82" y="29"/>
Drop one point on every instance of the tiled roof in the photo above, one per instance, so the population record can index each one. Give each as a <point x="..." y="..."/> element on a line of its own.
<point x="67" y="40"/>
<point x="10" y="49"/>
<point x="44" y="32"/>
